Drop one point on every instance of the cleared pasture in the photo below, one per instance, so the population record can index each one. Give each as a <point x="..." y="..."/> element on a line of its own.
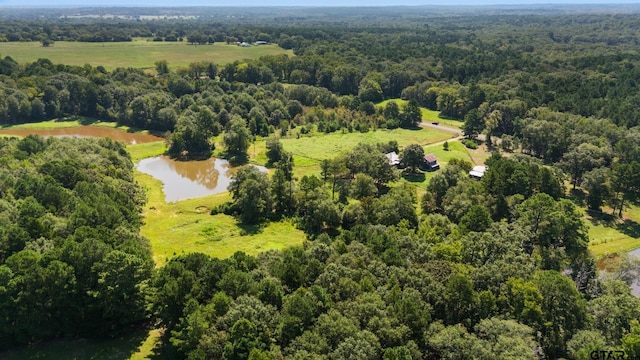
<point x="427" y="114"/>
<point x="139" y="53"/>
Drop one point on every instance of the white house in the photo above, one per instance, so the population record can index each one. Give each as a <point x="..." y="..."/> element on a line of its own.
<point x="477" y="172"/>
<point x="394" y="159"/>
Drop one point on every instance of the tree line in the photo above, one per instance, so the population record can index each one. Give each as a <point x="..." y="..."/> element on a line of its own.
<point x="72" y="261"/>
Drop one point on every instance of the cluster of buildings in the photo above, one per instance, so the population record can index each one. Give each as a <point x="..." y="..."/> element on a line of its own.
<point x="430" y="163"/>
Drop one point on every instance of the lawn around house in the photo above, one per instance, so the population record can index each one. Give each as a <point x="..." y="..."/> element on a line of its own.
<point x="140" y="53"/>
<point x="309" y="150"/>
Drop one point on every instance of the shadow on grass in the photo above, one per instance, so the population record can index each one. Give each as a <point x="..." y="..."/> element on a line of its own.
<point x="117" y="348"/>
<point x="628" y="227"/>
<point x="413" y="127"/>
<point x="251" y="229"/>
<point x="163" y="350"/>
<point x="445" y="117"/>
<point x="600" y="218"/>
<point x="414" y="177"/>
<point x="82" y="120"/>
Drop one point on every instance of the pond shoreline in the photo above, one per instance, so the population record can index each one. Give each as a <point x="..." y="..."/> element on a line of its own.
<point x="183" y="180"/>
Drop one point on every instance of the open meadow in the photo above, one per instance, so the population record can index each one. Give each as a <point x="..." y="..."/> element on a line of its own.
<point x="139" y="53"/>
<point x="427" y="114"/>
<point x="309" y="150"/>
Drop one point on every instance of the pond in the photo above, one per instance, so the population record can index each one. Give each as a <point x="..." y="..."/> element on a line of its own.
<point x="183" y="180"/>
<point x="602" y="265"/>
<point x="87" y="131"/>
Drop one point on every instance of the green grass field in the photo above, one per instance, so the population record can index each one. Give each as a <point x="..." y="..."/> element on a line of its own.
<point x="309" y="150"/>
<point x="456" y="151"/>
<point x="187" y="226"/>
<point x="609" y="235"/>
<point x="146" y="150"/>
<point x="189" y="221"/>
<point x="70" y="122"/>
<point x="139" y="53"/>
<point x="428" y="115"/>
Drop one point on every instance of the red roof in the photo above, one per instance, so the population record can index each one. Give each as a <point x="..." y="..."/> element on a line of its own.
<point x="430" y="158"/>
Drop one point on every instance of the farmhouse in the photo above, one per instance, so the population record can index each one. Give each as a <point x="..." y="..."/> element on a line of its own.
<point x="431" y="162"/>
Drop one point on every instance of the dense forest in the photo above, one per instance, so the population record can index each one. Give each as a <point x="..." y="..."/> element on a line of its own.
<point x="490" y="269"/>
<point x="73" y="262"/>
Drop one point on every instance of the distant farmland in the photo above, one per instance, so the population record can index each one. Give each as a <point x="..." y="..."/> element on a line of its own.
<point x="140" y="53"/>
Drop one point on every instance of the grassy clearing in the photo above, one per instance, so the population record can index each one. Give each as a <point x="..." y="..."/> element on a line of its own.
<point x="146" y="150"/>
<point x="71" y="122"/>
<point x="328" y="146"/>
<point x="151" y="347"/>
<point x="309" y="150"/>
<point x="427" y="114"/>
<point x="609" y="235"/>
<point x="50" y="124"/>
<point x="187" y="226"/>
<point x="140" y="53"/>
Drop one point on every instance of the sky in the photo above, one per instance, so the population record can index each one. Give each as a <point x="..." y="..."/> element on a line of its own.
<point x="261" y="3"/>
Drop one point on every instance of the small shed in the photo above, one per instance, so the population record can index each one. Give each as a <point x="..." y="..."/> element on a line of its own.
<point x="431" y="162"/>
<point x="394" y="159"/>
<point x="477" y="172"/>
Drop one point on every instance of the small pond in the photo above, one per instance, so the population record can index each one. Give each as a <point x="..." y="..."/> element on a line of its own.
<point x="603" y="263"/>
<point x="87" y="131"/>
<point x="183" y="180"/>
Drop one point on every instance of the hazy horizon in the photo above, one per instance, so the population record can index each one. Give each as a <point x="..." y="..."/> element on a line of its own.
<point x="274" y="3"/>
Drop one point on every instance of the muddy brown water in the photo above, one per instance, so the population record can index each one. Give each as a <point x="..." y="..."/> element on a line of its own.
<point x="87" y="131"/>
<point x="183" y="180"/>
